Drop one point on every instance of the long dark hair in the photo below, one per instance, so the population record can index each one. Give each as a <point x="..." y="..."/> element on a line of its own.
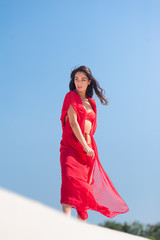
<point x="93" y="85"/>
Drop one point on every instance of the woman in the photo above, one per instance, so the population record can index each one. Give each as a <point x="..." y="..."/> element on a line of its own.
<point x="85" y="184"/>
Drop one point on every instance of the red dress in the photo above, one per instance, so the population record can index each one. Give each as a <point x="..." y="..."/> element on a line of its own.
<point x="85" y="184"/>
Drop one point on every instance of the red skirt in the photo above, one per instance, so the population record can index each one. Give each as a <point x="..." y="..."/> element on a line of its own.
<point x="85" y="185"/>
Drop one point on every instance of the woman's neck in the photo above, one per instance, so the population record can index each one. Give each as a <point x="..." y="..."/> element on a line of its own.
<point x="81" y="94"/>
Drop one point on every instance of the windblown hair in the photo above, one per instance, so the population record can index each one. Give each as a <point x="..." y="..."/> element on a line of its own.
<point x="93" y="85"/>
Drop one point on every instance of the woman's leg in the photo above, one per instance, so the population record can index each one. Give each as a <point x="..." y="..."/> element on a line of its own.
<point x="66" y="209"/>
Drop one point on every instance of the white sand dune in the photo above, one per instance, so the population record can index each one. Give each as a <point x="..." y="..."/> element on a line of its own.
<point x="25" y="219"/>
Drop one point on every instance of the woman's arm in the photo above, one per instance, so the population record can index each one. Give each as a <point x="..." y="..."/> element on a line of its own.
<point x="77" y="130"/>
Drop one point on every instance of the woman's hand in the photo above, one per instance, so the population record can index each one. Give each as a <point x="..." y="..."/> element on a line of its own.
<point x="89" y="151"/>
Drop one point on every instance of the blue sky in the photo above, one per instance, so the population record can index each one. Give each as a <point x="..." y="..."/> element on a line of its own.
<point x="41" y="42"/>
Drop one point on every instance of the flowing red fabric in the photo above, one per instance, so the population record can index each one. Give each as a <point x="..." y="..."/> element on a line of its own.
<point x="85" y="184"/>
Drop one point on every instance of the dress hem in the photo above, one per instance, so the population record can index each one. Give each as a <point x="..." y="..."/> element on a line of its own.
<point x="104" y="212"/>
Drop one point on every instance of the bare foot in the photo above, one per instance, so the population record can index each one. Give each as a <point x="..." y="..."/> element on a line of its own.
<point x="80" y="218"/>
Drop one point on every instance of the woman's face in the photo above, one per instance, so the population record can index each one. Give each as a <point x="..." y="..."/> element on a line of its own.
<point x="81" y="81"/>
